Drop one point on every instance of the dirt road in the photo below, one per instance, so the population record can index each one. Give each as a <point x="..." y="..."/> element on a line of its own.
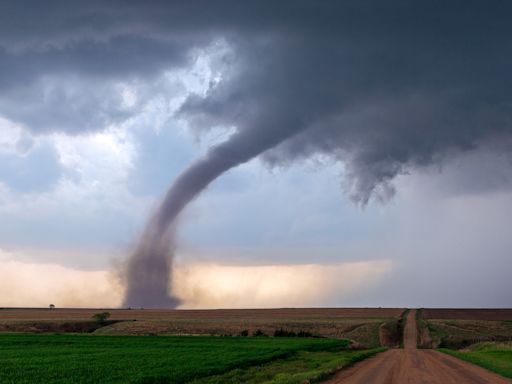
<point x="413" y="366"/>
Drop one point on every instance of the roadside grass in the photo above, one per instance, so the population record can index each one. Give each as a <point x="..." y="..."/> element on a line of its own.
<point x="391" y="333"/>
<point x="496" y="357"/>
<point x="302" y="367"/>
<point x="401" y="327"/>
<point x="68" y="358"/>
<point x="365" y="334"/>
<point x="426" y="332"/>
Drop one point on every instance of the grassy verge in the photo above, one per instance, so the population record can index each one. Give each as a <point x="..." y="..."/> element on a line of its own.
<point x="425" y="335"/>
<point x="496" y="357"/>
<point x="303" y="367"/>
<point x="65" y="358"/>
<point x="401" y="327"/>
<point x="366" y="334"/>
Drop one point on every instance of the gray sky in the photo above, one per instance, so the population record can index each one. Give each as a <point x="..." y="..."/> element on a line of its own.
<point x="389" y="131"/>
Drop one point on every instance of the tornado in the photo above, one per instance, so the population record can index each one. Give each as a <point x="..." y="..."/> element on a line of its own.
<point x="149" y="269"/>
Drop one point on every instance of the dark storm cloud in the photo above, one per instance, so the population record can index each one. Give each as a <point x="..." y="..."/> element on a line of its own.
<point x="434" y="77"/>
<point x="381" y="87"/>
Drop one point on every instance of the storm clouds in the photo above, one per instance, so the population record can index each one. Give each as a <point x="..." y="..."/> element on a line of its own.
<point x="382" y="89"/>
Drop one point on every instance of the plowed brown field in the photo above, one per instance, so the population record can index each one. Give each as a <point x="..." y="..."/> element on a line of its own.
<point x="170" y="314"/>
<point x="468" y="314"/>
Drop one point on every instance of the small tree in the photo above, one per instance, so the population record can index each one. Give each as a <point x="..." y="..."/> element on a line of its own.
<point x="101" y="318"/>
<point x="52" y="306"/>
<point x="258" y="333"/>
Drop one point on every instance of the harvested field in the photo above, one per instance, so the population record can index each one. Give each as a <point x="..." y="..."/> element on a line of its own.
<point x="167" y="314"/>
<point x="460" y="328"/>
<point x="463" y="333"/>
<point x="468" y="314"/>
<point x="359" y="324"/>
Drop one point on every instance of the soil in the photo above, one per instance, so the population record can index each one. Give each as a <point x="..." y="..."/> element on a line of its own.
<point x="411" y="365"/>
<point x="468" y="314"/>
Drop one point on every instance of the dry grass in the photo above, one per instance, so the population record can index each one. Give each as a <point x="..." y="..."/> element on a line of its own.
<point x="463" y="333"/>
<point x="358" y="324"/>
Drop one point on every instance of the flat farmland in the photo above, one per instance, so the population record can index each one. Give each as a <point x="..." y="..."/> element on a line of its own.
<point x="501" y="314"/>
<point x="362" y="325"/>
<point x="59" y="358"/>
<point x="461" y="328"/>
<point x="168" y="314"/>
<point x="220" y="351"/>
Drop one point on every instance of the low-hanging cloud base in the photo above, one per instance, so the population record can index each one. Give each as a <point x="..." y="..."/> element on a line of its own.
<point x="199" y="285"/>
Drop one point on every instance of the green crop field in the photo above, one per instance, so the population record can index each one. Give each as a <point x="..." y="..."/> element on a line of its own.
<point x="302" y="367"/>
<point x="68" y="358"/>
<point x="496" y="357"/>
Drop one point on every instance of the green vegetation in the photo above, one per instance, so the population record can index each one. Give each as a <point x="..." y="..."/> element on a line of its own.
<point x="302" y="367"/>
<point x="101" y="318"/>
<point x="400" y="327"/>
<point x="440" y="337"/>
<point x="496" y="357"/>
<point x="29" y="358"/>
<point x="424" y="339"/>
<point x="284" y="333"/>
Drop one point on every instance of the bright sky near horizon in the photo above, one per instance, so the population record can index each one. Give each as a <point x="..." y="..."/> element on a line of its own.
<point x="392" y="185"/>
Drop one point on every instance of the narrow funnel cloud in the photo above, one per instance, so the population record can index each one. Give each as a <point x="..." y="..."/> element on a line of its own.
<point x="149" y="268"/>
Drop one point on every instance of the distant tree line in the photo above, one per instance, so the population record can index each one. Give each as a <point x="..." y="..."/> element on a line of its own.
<point x="277" y="333"/>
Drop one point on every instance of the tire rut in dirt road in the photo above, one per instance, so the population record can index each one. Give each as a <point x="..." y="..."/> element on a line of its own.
<point x="413" y="366"/>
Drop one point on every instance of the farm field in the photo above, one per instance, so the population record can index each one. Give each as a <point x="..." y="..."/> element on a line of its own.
<point x="488" y="314"/>
<point x="210" y="347"/>
<point x="29" y="358"/>
<point x="460" y="328"/>
<point x="365" y="326"/>
<point x="302" y="367"/>
<point x="159" y="314"/>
